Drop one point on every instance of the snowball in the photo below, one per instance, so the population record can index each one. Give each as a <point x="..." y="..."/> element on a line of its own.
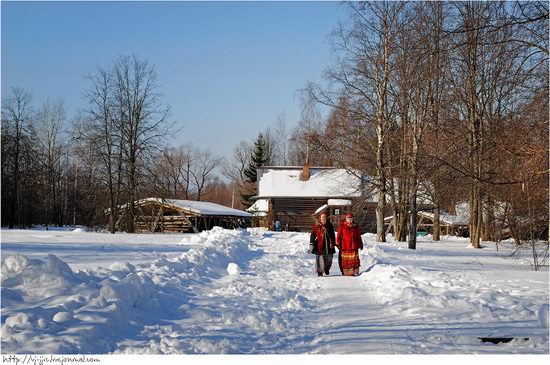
<point x="62" y="317"/>
<point x="41" y="323"/>
<point x="543" y="316"/>
<point x="233" y="269"/>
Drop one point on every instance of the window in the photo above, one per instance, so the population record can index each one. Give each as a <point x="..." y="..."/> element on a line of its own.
<point x="337" y="211"/>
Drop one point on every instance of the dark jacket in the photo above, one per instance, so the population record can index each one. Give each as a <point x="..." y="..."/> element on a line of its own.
<point x="323" y="239"/>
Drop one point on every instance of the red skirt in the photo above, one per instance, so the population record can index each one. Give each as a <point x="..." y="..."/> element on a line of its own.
<point x="350" y="262"/>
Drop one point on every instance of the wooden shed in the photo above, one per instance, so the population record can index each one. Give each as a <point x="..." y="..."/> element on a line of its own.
<point x="174" y="215"/>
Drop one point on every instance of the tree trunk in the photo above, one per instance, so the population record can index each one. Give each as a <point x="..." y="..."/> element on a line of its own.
<point x="14" y="209"/>
<point x="475" y="216"/>
<point x="402" y="226"/>
<point x="436" y="226"/>
<point x="112" y="217"/>
<point x="131" y="191"/>
<point x="414" y="190"/>
<point x="412" y="226"/>
<point x="380" y="233"/>
<point x="395" y="222"/>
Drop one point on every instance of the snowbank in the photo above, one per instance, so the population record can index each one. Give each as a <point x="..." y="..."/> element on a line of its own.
<point x="48" y="308"/>
<point x="255" y="291"/>
<point x="415" y="291"/>
<point x="543" y="316"/>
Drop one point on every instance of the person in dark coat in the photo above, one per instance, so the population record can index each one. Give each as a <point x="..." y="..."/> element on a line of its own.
<point x="321" y="243"/>
<point x="349" y="242"/>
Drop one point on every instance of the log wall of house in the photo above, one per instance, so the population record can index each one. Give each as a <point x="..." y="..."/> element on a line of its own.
<point x="366" y="218"/>
<point x="296" y="214"/>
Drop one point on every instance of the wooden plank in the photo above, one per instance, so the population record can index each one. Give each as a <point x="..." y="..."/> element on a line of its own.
<point x="189" y="222"/>
<point x="154" y="228"/>
<point x="119" y="219"/>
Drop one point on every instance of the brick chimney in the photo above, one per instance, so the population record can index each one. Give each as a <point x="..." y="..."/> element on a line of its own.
<point x="304" y="176"/>
<point x="452" y="209"/>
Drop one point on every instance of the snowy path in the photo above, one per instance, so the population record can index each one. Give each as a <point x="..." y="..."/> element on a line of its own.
<point x="437" y="299"/>
<point x="278" y="305"/>
<point x="428" y="308"/>
<point x="262" y="310"/>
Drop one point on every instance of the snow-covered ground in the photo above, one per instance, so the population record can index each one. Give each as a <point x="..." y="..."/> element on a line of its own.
<point x="255" y="292"/>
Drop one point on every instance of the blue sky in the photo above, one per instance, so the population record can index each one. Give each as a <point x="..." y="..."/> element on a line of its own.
<point x="225" y="68"/>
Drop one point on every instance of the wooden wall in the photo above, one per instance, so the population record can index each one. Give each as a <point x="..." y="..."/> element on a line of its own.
<point x="296" y="214"/>
<point x="365" y="217"/>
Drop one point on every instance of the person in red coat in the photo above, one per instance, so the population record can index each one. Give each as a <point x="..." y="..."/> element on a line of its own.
<point x="321" y="243"/>
<point x="349" y="242"/>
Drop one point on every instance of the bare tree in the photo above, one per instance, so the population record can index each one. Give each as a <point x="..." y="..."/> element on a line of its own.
<point x="363" y="72"/>
<point x="280" y="154"/>
<point x="234" y="169"/>
<point x="302" y="148"/>
<point x="483" y="89"/>
<point x="48" y="127"/>
<point x="105" y="132"/>
<point x="202" y="171"/>
<point x="16" y="118"/>
<point x="415" y="85"/>
<point x="143" y="117"/>
<point x="174" y="168"/>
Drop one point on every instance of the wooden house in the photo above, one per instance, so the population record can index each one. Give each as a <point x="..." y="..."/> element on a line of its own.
<point x="294" y="195"/>
<point x="455" y="222"/>
<point x="173" y="215"/>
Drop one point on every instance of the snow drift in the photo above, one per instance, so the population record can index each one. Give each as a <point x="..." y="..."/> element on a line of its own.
<point x="48" y="308"/>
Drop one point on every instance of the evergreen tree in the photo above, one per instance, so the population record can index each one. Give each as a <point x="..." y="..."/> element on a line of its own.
<point x="260" y="157"/>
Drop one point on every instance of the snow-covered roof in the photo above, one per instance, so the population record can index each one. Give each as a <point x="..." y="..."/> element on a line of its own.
<point x="461" y="218"/>
<point x="338" y="202"/>
<point x="259" y="208"/>
<point x="202" y="208"/>
<point x="455" y="220"/>
<point x="321" y="208"/>
<point x="323" y="182"/>
<point x="333" y="203"/>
